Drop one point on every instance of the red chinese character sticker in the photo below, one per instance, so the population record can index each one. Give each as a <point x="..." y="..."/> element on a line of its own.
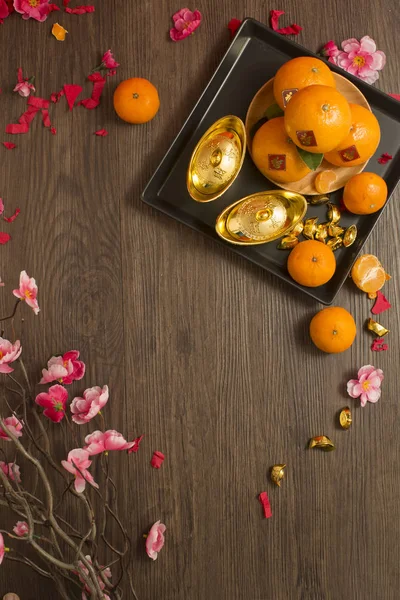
<point x="349" y="154"/>
<point x="306" y="138"/>
<point x="287" y="95"/>
<point x="277" y="162"/>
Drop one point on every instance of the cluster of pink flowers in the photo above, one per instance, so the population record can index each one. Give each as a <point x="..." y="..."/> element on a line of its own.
<point x="360" y="58"/>
<point x="185" y="24"/>
<point x="106" y="571"/>
<point x="65" y="369"/>
<point x="14" y="426"/>
<point x="367" y="386"/>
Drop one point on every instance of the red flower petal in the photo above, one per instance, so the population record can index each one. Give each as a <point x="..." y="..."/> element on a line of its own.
<point x="381" y="304"/>
<point x="80" y="10"/>
<point x="71" y="94"/>
<point x="101" y="132"/>
<point x="66" y="2"/>
<point x="52" y="7"/>
<point x="263" y="497"/>
<point x="17" y="128"/>
<point x="395" y="96"/>
<point x="55" y="96"/>
<point x="378" y="345"/>
<point x="233" y="26"/>
<point x="98" y="85"/>
<point x="9" y="145"/>
<point x="157" y="459"/>
<point x="27" y="117"/>
<point x="53" y="130"/>
<point x="136" y="445"/>
<point x="20" y="77"/>
<point x="4" y="238"/>
<point x="38" y="102"/>
<point x="384" y="158"/>
<point x="1" y="206"/>
<point x="291" y="30"/>
<point x="45" y="117"/>
<point x="13" y="217"/>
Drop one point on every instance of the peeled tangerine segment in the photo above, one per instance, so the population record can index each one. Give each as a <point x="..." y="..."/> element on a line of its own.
<point x="324" y="181"/>
<point x="368" y="274"/>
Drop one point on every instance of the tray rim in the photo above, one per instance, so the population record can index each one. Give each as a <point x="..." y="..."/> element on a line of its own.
<point x="244" y="34"/>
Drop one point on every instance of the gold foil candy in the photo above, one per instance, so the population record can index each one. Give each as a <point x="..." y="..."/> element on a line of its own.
<point x="318" y="199"/>
<point x="298" y="229"/>
<point x="345" y="418"/>
<point x="310" y="227"/>
<point x="350" y="236"/>
<point x="321" y="232"/>
<point x="333" y="213"/>
<point x="335" y="243"/>
<point x="335" y="230"/>
<point x="288" y="242"/>
<point x="322" y="442"/>
<point x="375" y="327"/>
<point x="278" y="473"/>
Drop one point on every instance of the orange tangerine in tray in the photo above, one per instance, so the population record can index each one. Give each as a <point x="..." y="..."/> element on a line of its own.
<point x="275" y="155"/>
<point x="368" y="274"/>
<point x="365" y="193"/>
<point x="297" y="74"/>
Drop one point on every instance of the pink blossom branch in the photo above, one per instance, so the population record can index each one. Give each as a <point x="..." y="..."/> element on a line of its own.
<point x="18" y="302"/>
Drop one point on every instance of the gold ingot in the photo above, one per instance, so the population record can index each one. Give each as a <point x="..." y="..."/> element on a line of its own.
<point x="298" y="229"/>
<point x="350" y="236"/>
<point x="335" y="230"/>
<point x="322" y="442"/>
<point x="310" y="226"/>
<point x="335" y="243"/>
<point x="288" y="242"/>
<point x="318" y="199"/>
<point x="345" y="418"/>
<point x="261" y="217"/>
<point x="277" y="474"/>
<point x="333" y="213"/>
<point x="217" y="159"/>
<point x="321" y="232"/>
<point x="377" y="328"/>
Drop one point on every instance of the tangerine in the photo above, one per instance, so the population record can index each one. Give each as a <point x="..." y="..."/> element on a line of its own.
<point x="365" y="193"/>
<point x="311" y="263"/>
<point x="362" y="141"/>
<point x="136" y="100"/>
<point x="333" y="329"/>
<point x="275" y="155"/>
<point x="368" y="274"/>
<point x="297" y="74"/>
<point x="324" y="181"/>
<point x="318" y="118"/>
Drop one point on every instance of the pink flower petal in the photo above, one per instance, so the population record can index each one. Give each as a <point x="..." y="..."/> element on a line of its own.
<point x="378" y="60"/>
<point x="373" y="395"/>
<point x="363" y="399"/>
<point x="365" y="370"/>
<point x="4" y="238"/>
<point x="367" y="44"/>
<point x="101" y="132"/>
<point x="80" y="10"/>
<point x="343" y="60"/>
<point x="351" y="45"/>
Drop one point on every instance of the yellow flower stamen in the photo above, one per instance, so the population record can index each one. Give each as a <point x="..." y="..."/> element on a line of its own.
<point x="365" y="385"/>
<point x="358" y="61"/>
<point x="33" y="3"/>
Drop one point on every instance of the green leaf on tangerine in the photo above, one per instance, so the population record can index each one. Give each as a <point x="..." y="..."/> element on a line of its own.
<point x="273" y="111"/>
<point x="257" y="126"/>
<point x="311" y="159"/>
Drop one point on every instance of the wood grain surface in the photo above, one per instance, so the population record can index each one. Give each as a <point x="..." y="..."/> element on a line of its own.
<point x="204" y="353"/>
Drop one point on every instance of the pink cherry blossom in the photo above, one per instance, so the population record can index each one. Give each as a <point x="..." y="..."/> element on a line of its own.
<point x="98" y="442"/>
<point x="24" y="88"/>
<point x="105" y="571"/>
<point x="8" y="353"/>
<point x="11" y="470"/>
<point x="84" y="409"/>
<point x="185" y="23"/>
<point x="368" y="385"/>
<point x="109" y="61"/>
<point x="27" y="291"/>
<point x="65" y="369"/>
<point x="155" y="540"/>
<point x="361" y="58"/>
<point x="330" y="51"/>
<point x="21" y="528"/>
<point x="3" y="549"/>
<point x="78" y="463"/>
<point x="4" y="11"/>
<point x="33" y="9"/>
<point x="12" y="425"/>
<point x="54" y="402"/>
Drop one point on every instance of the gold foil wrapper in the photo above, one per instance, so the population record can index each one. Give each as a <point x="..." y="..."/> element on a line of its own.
<point x="335" y="230"/>
<point x="377" y="328"/>
<point x="298" y="229"/>
<point x="322" y="442"/>
<point x="345" y="418"/>
<point x="333" y="213"/>
<point x="277" y="474"/>
<point x="310" y="226"/>
<point x="350" y="236"/>
<point x="288" y="242"/>
<point x="335" y="243"/>
<point x="321" y="232"/>
<point x="318" y="199"/>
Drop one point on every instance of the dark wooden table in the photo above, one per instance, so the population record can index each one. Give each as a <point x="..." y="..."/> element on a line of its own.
<point x="205" y="354"/>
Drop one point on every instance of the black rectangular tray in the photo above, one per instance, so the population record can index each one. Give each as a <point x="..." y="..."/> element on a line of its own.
<point x="254" y="57"/>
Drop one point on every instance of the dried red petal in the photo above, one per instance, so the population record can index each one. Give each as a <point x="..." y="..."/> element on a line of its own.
<point x="157" y="459"/>
<point x="291" y="30"/>
<point x="381" y="304"/>
<point x="136" y="445"/>
<point x="263" y="497"/>
<point x="9" y="145"/>
<point x="53" y="130"/>
<point x="66" y="2"/>
<point x="4" y="237"/>
<point x="101" y="132"/>
<point x="38" y="102"/>
<point x="13" y="216"/>
<point x="16" y="128"/>
<point x="384" y="158"/>
<point x="20" y="77"/>
<point x="233" y="26"/>
<point x="45" y="117"/>
<point x="27" y="117"/>
<point x="80" y="10"/>
<point x="71" y="94"/>
<point x="378" y="345"/>
<point x="55" y="96"/>
<point x="1" y="206"/>
<point x="52" y="7"/>
<point x="98" y="85"/>
<point x="395" y="96"/>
